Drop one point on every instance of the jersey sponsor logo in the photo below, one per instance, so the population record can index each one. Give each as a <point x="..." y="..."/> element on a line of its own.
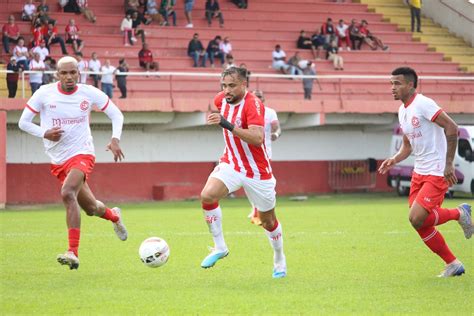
<point x="52" y="106"/>
<point x="414" y="135"/>
<point x="415" y="122"/>
<point x="58" y="122"/>
<point x="84" y="105"/>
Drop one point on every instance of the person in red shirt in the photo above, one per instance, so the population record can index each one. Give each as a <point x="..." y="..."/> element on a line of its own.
<point x="244" y="163"/>
<point x="369" y="38"/>
<point x="11" y="33"/>
<point x="52" y="37"/>
<point x="145" y="57"/>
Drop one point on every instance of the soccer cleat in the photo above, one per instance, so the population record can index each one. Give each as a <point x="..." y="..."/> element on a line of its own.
<point x="119" y="227"/>
<point x="455" y="268"/>
<point x="279" y="271"/>
<point x="465" y="219"/>
<point x="69" y="259"/>
<point x="213" y="257"/>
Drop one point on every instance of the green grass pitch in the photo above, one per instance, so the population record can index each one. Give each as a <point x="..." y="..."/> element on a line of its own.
<point x="346" y="254"/>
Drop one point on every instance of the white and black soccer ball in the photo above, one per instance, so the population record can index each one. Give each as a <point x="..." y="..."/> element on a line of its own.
<point x="154" y="252"/>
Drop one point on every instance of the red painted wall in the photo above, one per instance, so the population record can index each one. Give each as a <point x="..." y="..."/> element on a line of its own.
<point x="32" y="183"/>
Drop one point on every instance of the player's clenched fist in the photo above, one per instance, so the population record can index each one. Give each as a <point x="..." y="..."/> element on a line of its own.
<point x="53" y="134"/>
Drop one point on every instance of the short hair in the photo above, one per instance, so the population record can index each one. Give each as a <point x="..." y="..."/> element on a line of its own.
<point x="408" y="73"/>
<point x="79" y="54"/>
<point x="218" y="37"/>
<point x="259" y="94"/>
<point x="66" y="60"/>
<point x="240" y="72"/>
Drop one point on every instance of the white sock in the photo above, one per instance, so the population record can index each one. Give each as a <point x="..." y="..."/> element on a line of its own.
<point x="276" y="241"/>
<point x="213" y="219"/>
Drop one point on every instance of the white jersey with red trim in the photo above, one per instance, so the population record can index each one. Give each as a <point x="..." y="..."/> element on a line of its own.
<point x="248" y="159"/>
<point x="270" y="117"/>
<point x="427" y="139"/>
<point x="71" y="112"/>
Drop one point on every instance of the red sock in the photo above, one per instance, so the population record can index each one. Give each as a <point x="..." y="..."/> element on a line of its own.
<point x="210" y="207"/>
<point x="435" y="241"/>
<point x="74" y="235"/>
<point x="110" y="215"/>
<point x="440" y="216"/>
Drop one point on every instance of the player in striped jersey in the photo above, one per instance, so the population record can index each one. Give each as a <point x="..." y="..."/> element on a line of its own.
<point x="244" y="163"/>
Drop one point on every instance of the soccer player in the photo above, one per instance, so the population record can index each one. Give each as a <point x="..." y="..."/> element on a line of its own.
<point x="64" y="108"/>
<point x="272" y="133"/>
<point x="431" y="136"/>
<point x="244" y="164"/>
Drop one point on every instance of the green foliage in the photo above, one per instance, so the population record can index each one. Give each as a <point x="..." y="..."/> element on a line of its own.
<point x="347" y="254"/>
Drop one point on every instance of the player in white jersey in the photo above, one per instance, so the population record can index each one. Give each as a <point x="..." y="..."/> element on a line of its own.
<point x="272" y="133"/>
<point x="431" y="136"/>
<point x="244" y="164"/>
<point x="64" y="109"/>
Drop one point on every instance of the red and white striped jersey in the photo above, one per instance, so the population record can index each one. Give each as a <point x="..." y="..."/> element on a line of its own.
<point x="245" y="158"/>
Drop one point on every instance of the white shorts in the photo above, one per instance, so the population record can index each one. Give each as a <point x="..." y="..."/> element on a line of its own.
<point x="261" y="193"/>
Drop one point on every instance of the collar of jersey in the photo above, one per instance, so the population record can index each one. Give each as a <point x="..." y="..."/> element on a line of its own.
<point x="66" y="92"/>
<point x="410" y="101"/>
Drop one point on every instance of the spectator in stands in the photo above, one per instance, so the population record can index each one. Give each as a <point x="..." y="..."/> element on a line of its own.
<point x="84" y="9"/>
<point x="226" y="46"/>
<point x="241" y="4"/>
<point x="328" y="31"/>
<point x="415" y="11"/>
<point x="21" y="54"/>
<point x="95" y="65"/>
<point x="145" y="58"/>
<point x="333" y="55"/>
<point x="244" y="66"/>
<point x="11" y="33"/>
<point x="42" y="12"/>
<point x="44" y="7"/>
<point x="122" y="79"/>
<point x="127" y="30"/>
<point x="355" y="35"/>
<point x="196" y="50"/>
<point x="319" y="42"/>
<point x="229" y="62"/>
<point x="166" y="10"/>
<point x="83" y="66"/>
<point x="49" y="64"/>
<point x="29" y="11"/>
<point x="152" y="11"/>
<point x="132" y="6"/>
<point x="213" y="10"/>
<point x="70" y="6"/>
<point x="305" y="42"/>
<point x="52" y="37"/>
<point x="293" y="62"/>
<point x="41" y="50"/>
<point x="214" y="51"/>
<point x="137" y="30"/>
<point x="12" y="78"/>
<point x="369" y="38"/>
<point x="36" y="79"/>
<point x="279" y="60"/>
<point x="188" y="10"/>
<point x="107" y="82"/>
<point x="342" y="31"/>
<point x="308" y="82"/>
<point x="72" y="33"/>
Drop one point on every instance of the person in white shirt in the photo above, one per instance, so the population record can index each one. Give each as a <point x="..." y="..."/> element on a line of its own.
<point x="342" y="32"/>
<point x="279" y="60"/>
<point x="41" y="50"/>
<point x="83" y="66"/>
<point x="431" y="136"/>
<point x="36" y="79"/>
<point x="65" y="109"/>
<point x="127" y="30"/>
<point x="225" y="46"/>
<point x="95" y="65"/>
<point x="272" y="132"/>
<point x="29" y="11"/>
<point x="21" y="54"/>
<point x="108" y="72"/>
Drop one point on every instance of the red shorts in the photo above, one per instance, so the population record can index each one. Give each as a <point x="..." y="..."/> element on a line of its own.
<point x="427" y="190"/>
<point x="85" y="163"/>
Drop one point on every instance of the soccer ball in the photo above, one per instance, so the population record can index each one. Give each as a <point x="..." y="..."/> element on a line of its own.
<point x="154" y="252"/>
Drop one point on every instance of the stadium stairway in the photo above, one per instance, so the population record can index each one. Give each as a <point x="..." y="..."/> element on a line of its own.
<point x="438" y="38"/>
<point x="254" y="33"/>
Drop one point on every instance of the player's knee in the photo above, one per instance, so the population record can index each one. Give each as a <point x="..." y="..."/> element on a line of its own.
<point x="268" y="223"/>
<point x="208" y="197"/>
<point x="415" y="221"/>
<point x="68" y="194"/>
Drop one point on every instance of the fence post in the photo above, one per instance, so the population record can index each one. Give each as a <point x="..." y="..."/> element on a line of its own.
<point x="22" y="84"/>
